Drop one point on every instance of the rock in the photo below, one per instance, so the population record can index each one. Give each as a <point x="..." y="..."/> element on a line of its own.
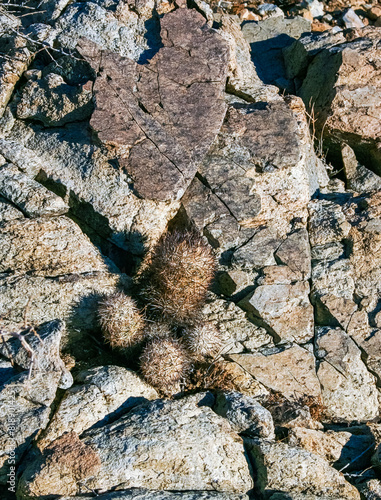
<point x="122" y="31"/>
<point x="148" y="444"/>
<point x="258" y="252"/>
<point x="348" y="390"/>
<point x="300" y="53"/>
<point x="104" y="394"/>
<point x="278" y="275"/>
<point x="243" y="381"/>
<point x="233" y="325"/>
<point x="352" y="20"/>
<point x="315" y="7"/>
<point x="295" y="412"/>
<point x="267" y="39"/>
<point x="161" y="139"/>
<point x="73" y="298"/>
<point x="97" y="193"/>
<point x="327" y="252"/>
<point x="8" y="212"/>
<point x="245" y="414"/>
<point x="371" y="489"/>
<point x="344" y="88"/>
<point x="242" y="76"/>
<point x="141" y="494"/>
<point x="369" y="343"/>
<point x="295" y="253"/>
<point x="289" y="371"/>
<point x="340" y="448"/>
<point x="47" y="247"/>
<point x="293" y="470"/>
<point x="327" y="222"/>
<point x="53" y="102"/>
<point x="270" y="10"/>
<point x="359" y="178"/>
<point x="28" y="195"/>
<point x="25" y="402"/>
<point x="285" y="309"/>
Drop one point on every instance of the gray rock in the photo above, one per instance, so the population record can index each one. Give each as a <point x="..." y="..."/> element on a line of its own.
<point x="104" y="393"/>
<point x="293" y="470"/>
<point x="371" y="489"/>
<point x="145" y="447"/>
<point x="348" y="390"/>
<point x="352" y="20"/>
<point x="25" y="402"/>
<point x="289" y="371"/>
<point x="345" y="90"/>
<point x="140" y="494"/>
<point x="327" y="222"/>
<point x="285" y="309"/>
<point x="73" y="298"/>
<point x="258" y="252"/>
<point x="53" y="102"/>
<point x="8" y="212"/>
<point x="28" y="195"/>
<point x="330" y="251"/>
<point x="96" y="192"/>
<point x="268" y="38"/>
<point x="359" y="178"/>
<point x="245" y="414"/>
<point x="295" y="252"/>
<point x="47" y="247"/>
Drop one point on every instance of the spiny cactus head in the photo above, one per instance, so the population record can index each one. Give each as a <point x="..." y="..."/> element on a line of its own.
<point x="176" y="277"/>
<point x="121" y="321"/>
<point x="164" y="364"/>
<point x="203" y="340"/>
<point x="157" y="330"/>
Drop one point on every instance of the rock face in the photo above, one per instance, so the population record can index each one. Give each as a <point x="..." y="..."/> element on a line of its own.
<point x="345" y="88"/>
<point x="293" y="470"/>
<point x="25" y="400"/>
<point x="141" y="494"/>
<point x="164" y="139"/>
<point x="148" y="444"/>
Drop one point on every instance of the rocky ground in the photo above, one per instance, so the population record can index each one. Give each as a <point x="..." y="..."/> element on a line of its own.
<point x="258" y="123"/>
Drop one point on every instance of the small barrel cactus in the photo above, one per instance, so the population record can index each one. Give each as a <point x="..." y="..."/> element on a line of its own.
<point x="121" y="322"/>
<point x="165" y="363"/>
<point x="176" y="276"/>
<point x="203" y="340"/>
<point x="157" y="330"/>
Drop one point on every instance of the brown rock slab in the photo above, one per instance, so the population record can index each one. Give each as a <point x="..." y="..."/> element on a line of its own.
<point x="163" y="116"/>
<point x="291" y="371"/>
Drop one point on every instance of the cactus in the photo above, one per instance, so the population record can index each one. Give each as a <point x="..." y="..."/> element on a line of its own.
<point x="203" y="340"/>
<point x="157" y="330"/>
<point x="165" y="363"/>
<point x="121" y="322"/>
<point x="176" y="276"/>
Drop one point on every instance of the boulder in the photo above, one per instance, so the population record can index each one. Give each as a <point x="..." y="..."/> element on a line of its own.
<point x="162" y="445"/>
<point x="141" y="494"/>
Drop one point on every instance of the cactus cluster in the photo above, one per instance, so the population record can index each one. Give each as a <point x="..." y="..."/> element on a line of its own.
<point x="172" y="287"/>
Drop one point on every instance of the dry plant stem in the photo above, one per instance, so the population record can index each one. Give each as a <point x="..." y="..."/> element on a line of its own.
<point x="24" y="343"/>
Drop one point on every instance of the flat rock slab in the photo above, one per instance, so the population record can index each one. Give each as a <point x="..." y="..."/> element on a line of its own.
<point x="166" y="445"/>
<point x="163" y="115"/>
<point x="290" y="371"/>
<point x="47" y="247"/>
<point x="293" y="470"/>
<point x="348" y="390"/>
<point x="141" y="494"/>
<point x="29" y="196"/>
<point x="105" y="392"/>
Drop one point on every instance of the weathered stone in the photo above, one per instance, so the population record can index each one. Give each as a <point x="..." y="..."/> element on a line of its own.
<point x="141" y="494"/>
<point x="8" y="212"/>
<point x="344" y="87"/>
<point x="258" y="252"/>
<point x="233" y="325"/>
<point x="359" y="178"/>
<point x="370" y="344"/>
<point x="162" y="139"/>
<point x="371" y="489"/>
<point x="339" y="448"/>
<point x="278" y="275"/>
<point x="28" y="195"/>
<point x="327" y="222"/>
<point x="243" y="381"/>
<point x="53" y="102"/>
<point x="329" y="251"/>
<point x="290" y="371"/>
<point x="73" y="298"/>
<point x="25" y="402"/>
<point x="348" y="390"/>
<point x="245" y="414"/>
<point x="288" y="469"/>
<point x="284" y="308"/>
<point x="295" y="253"/>
<point x="294" y="412"/>
<point x="47" y="247"/>
<point x="105" y="392"/>
<point x="148" y="444"/>
<point x="267" y="40"/>
<point x="96" y="192"/>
